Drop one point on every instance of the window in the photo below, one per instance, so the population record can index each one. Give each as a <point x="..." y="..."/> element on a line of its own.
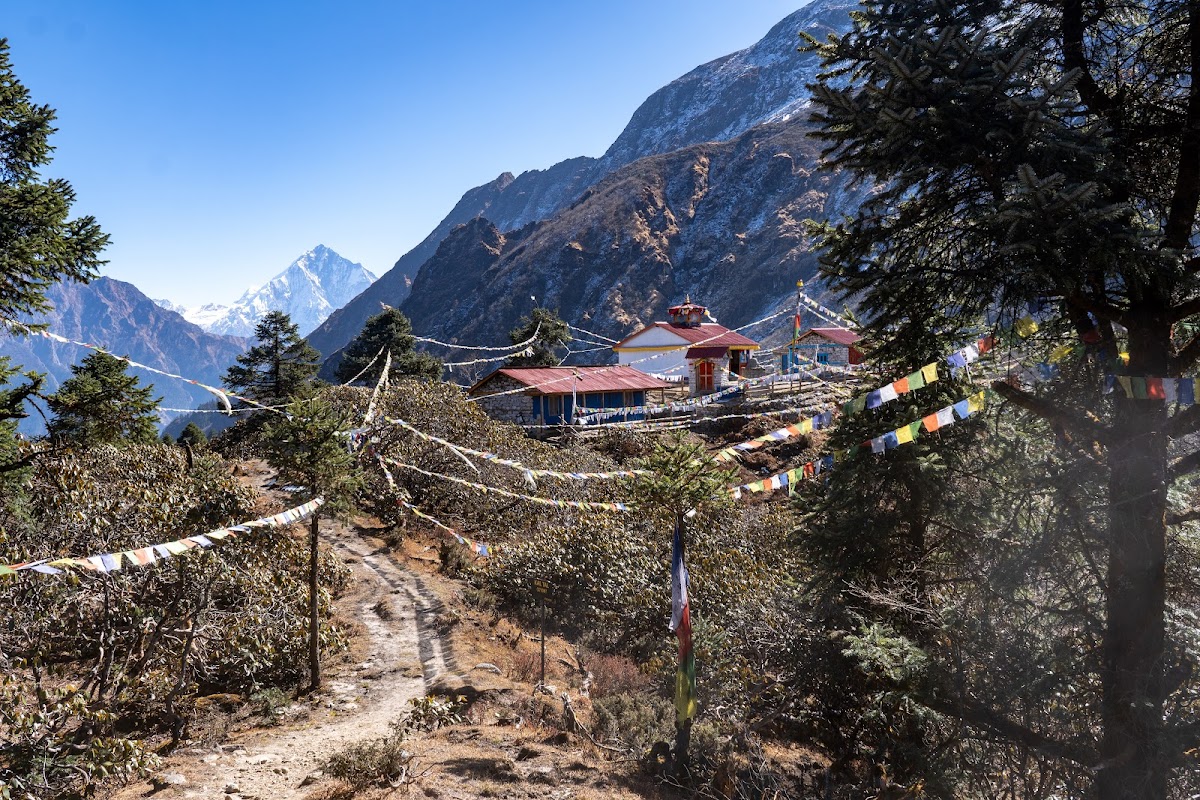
<point x="822" y="357"/>
<point x="553" y="404"/>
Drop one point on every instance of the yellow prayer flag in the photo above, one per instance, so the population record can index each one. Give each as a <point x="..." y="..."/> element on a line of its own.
<point x="975" y="402"/>
<point x="1026" y="326"/>
<point x="806" y="426"/>
<point x="904" y="435"/>
<point x="929" y="372"/>
<point x="1060" y="352"/>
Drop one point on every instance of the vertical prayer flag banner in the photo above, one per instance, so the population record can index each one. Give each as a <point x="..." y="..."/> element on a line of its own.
<point x="681" y="626"/>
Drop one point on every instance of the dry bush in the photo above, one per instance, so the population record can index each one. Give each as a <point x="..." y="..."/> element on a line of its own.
<point x="525" y="667"/>
<point x="614" y="675"/>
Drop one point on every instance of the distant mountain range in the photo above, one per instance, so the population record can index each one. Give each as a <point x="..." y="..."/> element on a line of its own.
<point x="309" y="290"/>
<point x="118" y="317"/>
<point x="703" y="192"/>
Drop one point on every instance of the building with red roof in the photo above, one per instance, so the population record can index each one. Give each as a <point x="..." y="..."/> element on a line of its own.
<point x="550" y="395"/>
<point x="826" y="346"/>
<point x="709" y="356"/>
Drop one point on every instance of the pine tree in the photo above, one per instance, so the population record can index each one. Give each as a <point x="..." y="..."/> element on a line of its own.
<point x="279" y="367"/>
<point x="12" y="409"/>
<point x="101" y="403"/>
<point x="1038" y="155"/>
<point x="552" y="333"/>
<point x="389" y="331"/>
<point x="193" y="435"/>
<point x="39" y="244"/>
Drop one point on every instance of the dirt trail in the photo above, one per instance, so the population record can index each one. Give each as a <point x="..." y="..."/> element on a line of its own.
<point x="356" y="703"/>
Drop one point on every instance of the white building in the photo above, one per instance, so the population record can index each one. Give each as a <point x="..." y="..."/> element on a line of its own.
<point x="709" y="355"/>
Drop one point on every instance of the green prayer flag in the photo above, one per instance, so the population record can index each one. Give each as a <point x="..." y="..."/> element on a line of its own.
<point x="856" y="405"/>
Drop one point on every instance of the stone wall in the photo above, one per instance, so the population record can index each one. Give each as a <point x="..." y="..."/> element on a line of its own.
<point x="516" y="407"/>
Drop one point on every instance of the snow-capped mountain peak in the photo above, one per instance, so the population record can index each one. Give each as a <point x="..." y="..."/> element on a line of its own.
<point x="309" y="290"/>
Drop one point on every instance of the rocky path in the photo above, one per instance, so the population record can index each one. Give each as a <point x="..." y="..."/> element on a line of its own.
<point x="357" y="702"/>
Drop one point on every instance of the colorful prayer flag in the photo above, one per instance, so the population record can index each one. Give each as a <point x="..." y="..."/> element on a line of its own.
<point x="681" y="626"/>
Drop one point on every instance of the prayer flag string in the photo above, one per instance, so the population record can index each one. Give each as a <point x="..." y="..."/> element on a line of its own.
<point x="143" y="556"/>
<point x="479" y="548"/>
<point x="529" y="472"/>
<point x="485" y="489"/>
<point x="905" y="434"/>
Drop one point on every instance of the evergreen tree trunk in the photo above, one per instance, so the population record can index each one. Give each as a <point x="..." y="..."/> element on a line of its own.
<point x="314" y="646"/>
<point x="1133" y="764"/>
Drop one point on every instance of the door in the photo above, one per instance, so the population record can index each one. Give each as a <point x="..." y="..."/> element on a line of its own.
<point x="704" y="377"/>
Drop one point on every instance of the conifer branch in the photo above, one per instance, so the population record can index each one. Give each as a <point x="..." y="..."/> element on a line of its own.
<point x="1181" y="219"/>
<point x="1186" y="356"/>
<point x="975" y="713"/>
<point x="1073" y="34"/>
<point x="1183" y="466"/>
<point x="1180" y="517"/>
<point x="1183" y="423"/>
<point x="1185" y="309"/>
<point x="1060" y="417"/>
<point x="1100" y="309"/>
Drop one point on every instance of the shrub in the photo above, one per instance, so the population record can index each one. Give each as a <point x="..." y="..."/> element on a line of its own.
<point x="97" y="661"/>
<point x="614" y="675"/>
<point x="633" y="721"/>
<point x="379" y="762"/>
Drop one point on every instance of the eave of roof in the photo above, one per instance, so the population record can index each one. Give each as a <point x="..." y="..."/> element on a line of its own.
<point x="708" y="333"/>
<point x="564" y="380"/>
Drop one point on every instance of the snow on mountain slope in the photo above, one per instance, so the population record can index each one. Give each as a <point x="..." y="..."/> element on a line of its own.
<point x="309" y="290"/>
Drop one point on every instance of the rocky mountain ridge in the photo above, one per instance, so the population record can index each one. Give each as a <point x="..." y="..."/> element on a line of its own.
<point x="721" y="222"/>
<point x="117" y="316"/>
<point x="718" y="101"/>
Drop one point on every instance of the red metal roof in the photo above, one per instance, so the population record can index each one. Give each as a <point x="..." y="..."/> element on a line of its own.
<point x="706" y="352"/>
<point x="838" y="335"/>
<point x="564" y="380"/>
<point x="707" y="333"/>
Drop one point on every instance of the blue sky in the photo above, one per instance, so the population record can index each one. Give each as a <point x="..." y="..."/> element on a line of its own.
<point x="217" y="141"/>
